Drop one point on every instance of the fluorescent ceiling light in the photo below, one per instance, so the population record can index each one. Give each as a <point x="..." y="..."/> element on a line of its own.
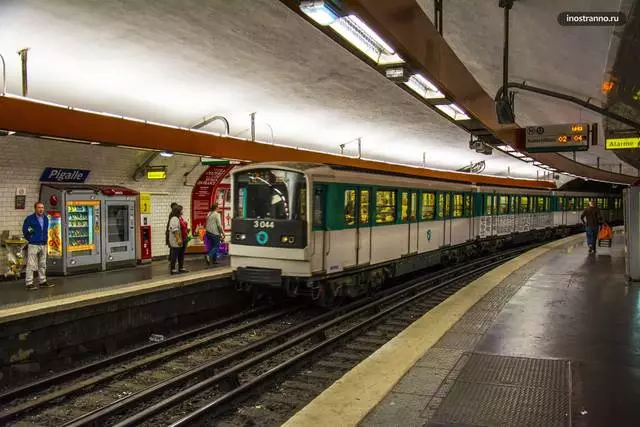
<point x="536" y="163"/>
<point x="320" y="11"/>
<point x="504" y="147"/>
<point x="424" y="87"/>
<point x="166" y="154"/>
<point x="453" y="111"/>
<point x="526" y="159"/>
<point x="517" y="154"/>
<point x="366" y="40"/>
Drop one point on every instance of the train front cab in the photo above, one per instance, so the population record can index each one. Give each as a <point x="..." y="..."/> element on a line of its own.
<point x="269" y="237"/>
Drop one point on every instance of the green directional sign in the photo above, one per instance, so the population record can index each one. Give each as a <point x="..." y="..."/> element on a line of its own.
<point x="622" y="143"/>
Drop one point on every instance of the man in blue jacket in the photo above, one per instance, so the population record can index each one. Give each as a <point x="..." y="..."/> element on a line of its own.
<point x="36" y="230"/>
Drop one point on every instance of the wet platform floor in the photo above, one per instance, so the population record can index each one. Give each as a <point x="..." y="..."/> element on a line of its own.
<point x="556" y="343"/>
<point x="14" y="292"/>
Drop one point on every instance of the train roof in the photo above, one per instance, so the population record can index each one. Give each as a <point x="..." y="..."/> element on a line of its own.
<point x="333" y="171"/>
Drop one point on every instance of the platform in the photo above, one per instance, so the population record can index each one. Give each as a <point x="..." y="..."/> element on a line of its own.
<point x="84" y="289"/>
<point x="551" y="338"/>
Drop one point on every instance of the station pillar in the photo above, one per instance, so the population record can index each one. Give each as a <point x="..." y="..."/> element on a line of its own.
<point x="631" y="204"/>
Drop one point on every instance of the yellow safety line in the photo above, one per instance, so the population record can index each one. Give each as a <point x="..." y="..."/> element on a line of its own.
<point x="347" y="401"/>
<point x="90" y="298"/>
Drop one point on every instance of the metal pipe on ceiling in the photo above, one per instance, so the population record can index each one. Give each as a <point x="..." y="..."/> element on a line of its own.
<point x="211" y="120"/>
<point x="23" y="59"/>
<point x="586" y="104"/>
<point x="4" y="75"/>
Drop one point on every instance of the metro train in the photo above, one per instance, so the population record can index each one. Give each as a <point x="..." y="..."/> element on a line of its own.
<point x="324" y="232"/>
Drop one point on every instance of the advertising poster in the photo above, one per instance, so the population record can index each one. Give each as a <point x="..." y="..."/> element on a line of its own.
<point x="54" y="242"/>
<point x="201" y="196"/>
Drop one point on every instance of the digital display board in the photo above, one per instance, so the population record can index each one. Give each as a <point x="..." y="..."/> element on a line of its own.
<point x="554" y="138"/>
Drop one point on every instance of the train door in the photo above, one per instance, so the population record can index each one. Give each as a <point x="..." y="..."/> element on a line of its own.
<point x="363" y="230"/>
<point x="444" y="209"/>
<point x="413" y="222"/>
<point x="318" y="227"/>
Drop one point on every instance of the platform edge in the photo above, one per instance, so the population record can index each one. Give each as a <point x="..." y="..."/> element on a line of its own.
<point x="348" y="401"/>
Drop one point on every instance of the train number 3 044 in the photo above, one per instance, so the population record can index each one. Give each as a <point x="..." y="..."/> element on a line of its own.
<point x="262" y="224"/>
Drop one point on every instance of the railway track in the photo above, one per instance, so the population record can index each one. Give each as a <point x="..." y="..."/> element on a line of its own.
<point x="125" y="371"/>
<point x="207" y="375"/>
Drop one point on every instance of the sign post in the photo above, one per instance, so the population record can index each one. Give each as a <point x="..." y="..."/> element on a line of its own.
<point x="557" y="138"/>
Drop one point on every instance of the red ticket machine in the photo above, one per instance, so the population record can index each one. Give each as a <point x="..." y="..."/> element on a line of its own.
<point x="145" y="243"/>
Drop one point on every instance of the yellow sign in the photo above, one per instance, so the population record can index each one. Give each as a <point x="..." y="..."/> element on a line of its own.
<point x="81" y="248"/>
<point x="83" y="203"/>
<point x="145" y="203"/>
<point x="156" y="174"/>
<point x="620" y="143"/>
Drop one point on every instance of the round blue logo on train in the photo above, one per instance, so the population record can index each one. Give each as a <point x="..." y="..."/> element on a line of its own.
<point x="262" y="237"/>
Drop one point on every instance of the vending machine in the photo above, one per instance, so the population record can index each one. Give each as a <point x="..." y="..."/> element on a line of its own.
<point x="91" y="228"/>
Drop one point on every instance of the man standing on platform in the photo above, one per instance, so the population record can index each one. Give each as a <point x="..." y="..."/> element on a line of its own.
<point x="215" y="232"/>
<point x="36" y="230"/>
<point x="592" y="224"/>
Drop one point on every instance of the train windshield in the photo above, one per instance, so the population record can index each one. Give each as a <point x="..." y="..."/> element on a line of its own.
<point x="270" y="193"/>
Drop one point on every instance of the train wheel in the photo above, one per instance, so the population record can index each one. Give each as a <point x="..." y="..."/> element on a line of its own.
<point x="326" y="297"/>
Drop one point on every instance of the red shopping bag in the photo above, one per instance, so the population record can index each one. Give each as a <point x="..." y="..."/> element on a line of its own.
<point x="605" y="233"/>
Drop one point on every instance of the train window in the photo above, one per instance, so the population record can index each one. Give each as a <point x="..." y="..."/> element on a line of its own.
<point x="457" y="205"/>
<point x="561" y="203"/>
<point x="504" y="205"/>
<point x="488" y="205"/>
<point x="404" y="206"/>
<point x="364" y="207"/>
<point x="269" y="193"/>
<point x="541" y="204"/>
<point x="467" y="205"/>
<point x="428" y="206"/>
<point x="547" y="204"/>
<point x="414" y="208"/>
<point x="605" y="203"/>
<point x="444" y="205"/>
<point x="318" y="206"/>
<point x="349" y="207"/>
<point x="585" y="202"/>
<point x="385" y="207"/>
<point x="524" y="204"/>
<point x="512" y="204"/>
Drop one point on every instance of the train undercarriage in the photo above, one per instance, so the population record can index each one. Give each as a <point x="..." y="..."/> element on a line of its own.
<point x="329" y="290"/>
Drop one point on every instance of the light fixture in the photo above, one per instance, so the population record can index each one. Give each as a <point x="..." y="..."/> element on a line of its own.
<point x="323" y="12"/>
<point x="526" y="159"/>
<point x="506" y="148"/>
<point x="356" y="32"/>
<point x="166" y="154"/>
<point x="398" y="74"/>
<point x="453" y="111"/>
<point x="424" y="87"/>
<point x="517" y="154"/>
<point x="536" y="163"/>
<point x="94" y="143"/>
<point x="156" y="172"/>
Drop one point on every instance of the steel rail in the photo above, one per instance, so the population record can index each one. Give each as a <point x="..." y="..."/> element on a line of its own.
<point x="230" y="375"/>
<point x="255" y="382"/>
<point x="151" y="360"/>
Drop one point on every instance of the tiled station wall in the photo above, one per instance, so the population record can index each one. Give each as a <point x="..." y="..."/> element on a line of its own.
<point x="24" y="159"/>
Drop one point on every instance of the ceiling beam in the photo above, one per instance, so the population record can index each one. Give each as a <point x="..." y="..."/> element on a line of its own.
<point x="405" y="26"/>
<point x="42" y="119"/>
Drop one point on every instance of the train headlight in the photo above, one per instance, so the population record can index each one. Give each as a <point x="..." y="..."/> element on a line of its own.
<point x="284" y="239"/>
<point x="241" y="236"/>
